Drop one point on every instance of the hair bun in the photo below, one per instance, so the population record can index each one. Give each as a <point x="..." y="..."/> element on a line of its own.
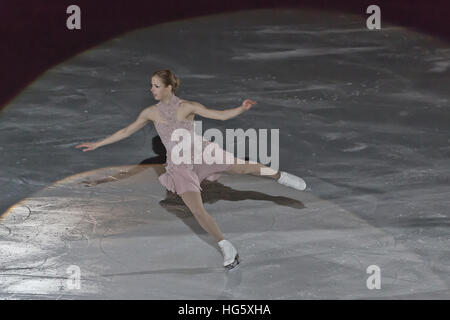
<point x="168" y="78"/>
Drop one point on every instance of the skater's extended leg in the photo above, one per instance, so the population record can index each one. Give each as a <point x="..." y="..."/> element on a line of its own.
<point x="256" y="168"/>
<point x="253" y="168"/>
<point x="193" y="201"/>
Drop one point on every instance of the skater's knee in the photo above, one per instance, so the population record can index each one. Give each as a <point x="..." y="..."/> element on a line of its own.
<point x="196" y="211"/>
<point x="199" y="214"/>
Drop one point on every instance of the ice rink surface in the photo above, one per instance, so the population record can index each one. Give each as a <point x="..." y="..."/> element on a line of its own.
<point x="363" y="116"/>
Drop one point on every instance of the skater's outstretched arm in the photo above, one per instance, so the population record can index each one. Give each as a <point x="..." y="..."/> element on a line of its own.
<point x="197" y="108"/>
<point x="148" y="114"/>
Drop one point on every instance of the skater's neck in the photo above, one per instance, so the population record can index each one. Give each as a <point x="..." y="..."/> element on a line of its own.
<point x="167" y="99"/>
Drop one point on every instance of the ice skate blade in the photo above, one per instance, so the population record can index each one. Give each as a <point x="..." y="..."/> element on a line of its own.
<point x="234" y="265"/>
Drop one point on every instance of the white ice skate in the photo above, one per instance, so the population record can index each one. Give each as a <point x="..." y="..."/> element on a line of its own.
<point x="230" y="254"/>
<point x="292" y="181"/>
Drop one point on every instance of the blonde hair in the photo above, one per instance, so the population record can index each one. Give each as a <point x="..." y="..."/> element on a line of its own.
<point x="168" y="77"/>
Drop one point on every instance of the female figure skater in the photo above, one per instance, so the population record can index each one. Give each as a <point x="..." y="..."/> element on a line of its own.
<point x="172" y="113"/>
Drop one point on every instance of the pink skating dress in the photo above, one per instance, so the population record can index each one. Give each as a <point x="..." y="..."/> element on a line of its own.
<point x="184" y="177"/>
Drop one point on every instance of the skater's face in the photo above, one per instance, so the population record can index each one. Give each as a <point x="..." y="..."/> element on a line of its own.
<point x="159" y="90"/>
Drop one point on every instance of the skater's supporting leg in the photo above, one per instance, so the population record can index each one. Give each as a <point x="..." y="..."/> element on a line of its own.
<point x="193" y="201"/>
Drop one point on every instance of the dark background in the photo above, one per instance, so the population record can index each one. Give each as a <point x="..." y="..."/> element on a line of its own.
<point x="34" y="36"/>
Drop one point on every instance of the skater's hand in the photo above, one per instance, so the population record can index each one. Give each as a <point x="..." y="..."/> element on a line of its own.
<point x="247" y="104"/>
<point x="90" y="146"/>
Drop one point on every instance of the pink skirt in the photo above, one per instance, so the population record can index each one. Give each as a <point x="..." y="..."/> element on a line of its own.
<point x="181" y="179"/>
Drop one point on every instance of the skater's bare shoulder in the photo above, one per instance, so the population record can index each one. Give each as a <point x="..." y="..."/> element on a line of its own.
<point x="186" y="103"/>
<point x="193" y="107"/>
<point x="148" y="114"/>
